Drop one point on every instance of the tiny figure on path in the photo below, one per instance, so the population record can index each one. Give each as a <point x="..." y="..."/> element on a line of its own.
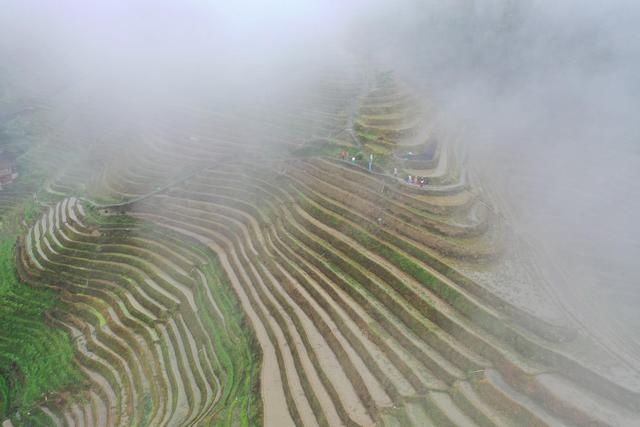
<point x="395" y="172"/>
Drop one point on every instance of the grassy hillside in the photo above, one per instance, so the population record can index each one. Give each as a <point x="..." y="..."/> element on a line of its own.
<point x="35" y="358"/>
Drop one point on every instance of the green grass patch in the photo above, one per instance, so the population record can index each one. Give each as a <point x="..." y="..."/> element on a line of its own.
<point x="37" y="358"/>
<point x="381" y="155"/>
<point x="325" y="149"/>
<point x="367" y="136"/>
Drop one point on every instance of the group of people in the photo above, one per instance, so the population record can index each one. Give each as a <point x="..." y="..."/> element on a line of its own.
<point x="417" y="180"/>
<point x="414" y="180"/>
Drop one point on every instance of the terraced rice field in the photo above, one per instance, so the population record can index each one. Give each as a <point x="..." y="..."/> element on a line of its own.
<point x="389" y="115"/>
<point x="127" y="302"/>
<point x="238" y="287"/>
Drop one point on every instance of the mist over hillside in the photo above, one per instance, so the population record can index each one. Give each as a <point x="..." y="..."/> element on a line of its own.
<point x="549" y="94"/>
<point x="397" y="210"/>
